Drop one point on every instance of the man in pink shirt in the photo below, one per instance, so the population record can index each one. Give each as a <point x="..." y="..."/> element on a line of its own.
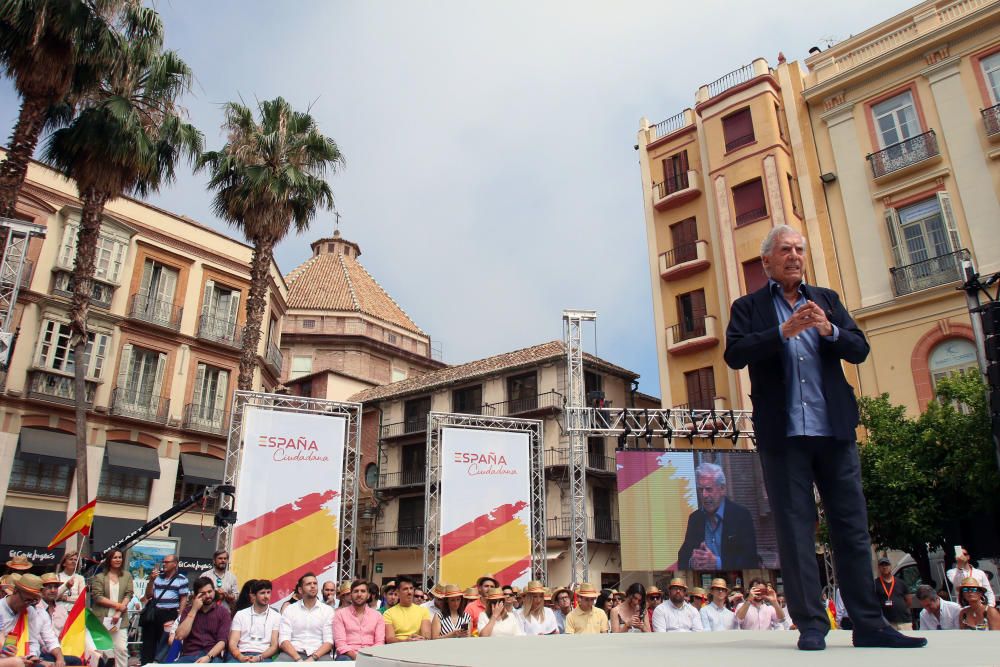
<point x="357" y="626"/>
<point x="754" y="614"/>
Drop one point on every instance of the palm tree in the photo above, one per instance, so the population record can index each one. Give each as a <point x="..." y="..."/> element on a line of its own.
<point x="55" y="51"/>
<point x="127" y="139"/>
<point x="268" y="177"/>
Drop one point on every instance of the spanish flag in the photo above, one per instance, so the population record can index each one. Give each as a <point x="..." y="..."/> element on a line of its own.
<point x="497" y="542"/>
<point x="79" y="624"/>
<point x="17" y="638"/>
<point x="78" y="523"/>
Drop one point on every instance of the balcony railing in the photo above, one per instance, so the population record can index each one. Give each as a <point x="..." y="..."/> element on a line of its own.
<point x="672" y="124"/>
<point x="991" y="120"/>
<point x="602" y="529"/>
<point x="753" y="214"/>
<point x="677" y="189"/>
<point x="220" y="330"/>
<point x="407" y="427"/>
<point x="689" y="330"/>
<point x="274" y="357"/>
<point x="904" y="154"/>
<point x="684" y="259"/>
<point x="673" y="183"/>
<point x="691" y="336"/>
<point x="741" y="140"/>
<point x="100" y="293"/>
<point x="517" y="406"/>
<point x="392" y="480"/>
<point x="155" y="311"/>
<point x="398" y="539"/>
<point x="198" y="417"/>
<point x="129" y="402"/>
<point x="734" y="78"/>
<point x="685" y="252"/>
<point x="55" y="387"/>
<point x="932" y="272"/>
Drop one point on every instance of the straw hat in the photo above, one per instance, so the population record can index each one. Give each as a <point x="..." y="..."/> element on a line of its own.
<point x="451" y="591"/>
<point x="677" y="581"/>
<point x="653" y="590"/>
<point x="438" y="591"/>
<point x="587" y="590"/>
<point x="697" y="591"/>
<point x="50" y="578"/>
<point x="496" y="594"/>
<point x="471" y="594"/>
<point x="487" y="577"/>
<point x="535" y="587"/>
<point x="547" y="594"/>
<point x="344" y="588"/>
<point x="720" y="583"/>
<point x="29" y="583"/>
<point x="970" y="582"/>
<point x="20" y="562"/>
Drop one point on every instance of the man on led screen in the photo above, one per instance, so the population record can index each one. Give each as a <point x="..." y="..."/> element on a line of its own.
<point x="720" y="534"/>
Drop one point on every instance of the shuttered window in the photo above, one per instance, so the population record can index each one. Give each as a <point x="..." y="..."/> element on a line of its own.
<point x="737" y="128"/>
<point x="683" y="235"/>
<point x="691" y="312"/>
<point x="748" y="202"/>
<point x="700" y="388"/>
<point x="753" y="275"/>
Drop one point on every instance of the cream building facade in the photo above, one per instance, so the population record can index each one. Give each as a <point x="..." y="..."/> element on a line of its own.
<point x="166" y="323"/>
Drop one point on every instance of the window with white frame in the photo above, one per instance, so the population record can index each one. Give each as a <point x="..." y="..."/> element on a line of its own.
<point x="301" y="365"/>
<point x="991" y="72"/>
<point x="896" y="119"/>
<point x="923" y="230"/>
<point x="55" y="353"/>
<point x="110" y="257"/>
<point x="950" y="357"/>
<point x="220" y="310"/>
<point x="208" y="400"/>
<point x="140" y="376"/>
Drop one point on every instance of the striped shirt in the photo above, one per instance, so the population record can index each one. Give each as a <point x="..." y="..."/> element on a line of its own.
<point x="167" y="594"/>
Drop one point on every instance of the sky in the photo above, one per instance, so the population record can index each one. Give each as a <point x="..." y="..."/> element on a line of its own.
<point x="490" y="177"/>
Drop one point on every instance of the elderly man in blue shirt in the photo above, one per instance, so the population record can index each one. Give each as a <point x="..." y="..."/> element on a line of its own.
<point x="795" y="337"/>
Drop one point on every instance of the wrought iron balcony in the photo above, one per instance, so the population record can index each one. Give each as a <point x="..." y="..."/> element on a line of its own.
<point x="395" y="480"/>
<point x="155" y="311"/>
<point x="599" y="529"/>
<point x="404" y="538"/>
<point x="550" y="400"/>
<point x="742" y="140"/>
<point x="684" y="260"/>
<point x="129" y="402"/>
<point x="734" y="78"/>
<point x="687" y="337"/>
<point x="406" y="427"/>
<point x="100" y="293"/>
<point x="220" y="330"/>
<point x="904" y="154"/>
<point x="49" y="386"/>
<point x="676" y="190"/>
<point x="205" y="419"/>
<point x="991" y="121"/>
<point x="672" y="124"/>
<point x="754" y="214"/>
<point x="274" y="357"/>
<point x="932" y="272"/>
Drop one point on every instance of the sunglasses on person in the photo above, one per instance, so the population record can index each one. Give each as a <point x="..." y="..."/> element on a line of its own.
<point x="970" y="589"/>
<point x="655" y="597"/>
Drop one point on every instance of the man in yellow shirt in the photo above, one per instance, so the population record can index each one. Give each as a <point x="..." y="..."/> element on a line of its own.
<point x="586" y="619"/>
<point x="406" y="621"/>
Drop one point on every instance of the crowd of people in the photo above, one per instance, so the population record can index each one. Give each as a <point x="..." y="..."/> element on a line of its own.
<point x="213" y="619"/>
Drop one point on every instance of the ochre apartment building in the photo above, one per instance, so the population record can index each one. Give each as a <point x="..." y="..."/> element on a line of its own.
<point x="165" y="326"/>
<point x="882" y="150"/>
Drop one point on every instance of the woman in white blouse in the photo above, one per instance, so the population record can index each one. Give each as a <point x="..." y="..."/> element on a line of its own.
<point x="498" y="620"/>
<point x="536" y="618"/>
<point x="72" y="583"/>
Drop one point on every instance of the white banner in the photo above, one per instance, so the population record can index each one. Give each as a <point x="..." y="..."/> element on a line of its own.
<point x="485" y="509"/>
<point x="288" y="497"/>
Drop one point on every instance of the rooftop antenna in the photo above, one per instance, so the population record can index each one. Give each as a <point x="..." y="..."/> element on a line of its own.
<point x="336" y="224"/>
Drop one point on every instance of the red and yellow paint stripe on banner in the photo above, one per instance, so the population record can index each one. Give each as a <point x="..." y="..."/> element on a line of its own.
<point x="283" y="544"/>
<point x="496" y="543"/>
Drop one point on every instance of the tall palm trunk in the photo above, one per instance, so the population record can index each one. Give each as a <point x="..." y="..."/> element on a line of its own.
<point x="83" y="281"/>
<point x="260" y="270"/>
<point x="14" y="168"/>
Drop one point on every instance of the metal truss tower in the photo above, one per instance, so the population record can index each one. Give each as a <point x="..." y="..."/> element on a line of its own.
<point x="17" y="234"/>
<point x="573" y="337"/>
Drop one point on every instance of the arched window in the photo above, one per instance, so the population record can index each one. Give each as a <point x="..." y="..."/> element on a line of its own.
<point x="950" y="357"/>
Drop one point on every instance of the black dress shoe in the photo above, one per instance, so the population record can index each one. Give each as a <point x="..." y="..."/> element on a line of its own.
<point x="886" y="637"/>
<point x="812" y="640"/>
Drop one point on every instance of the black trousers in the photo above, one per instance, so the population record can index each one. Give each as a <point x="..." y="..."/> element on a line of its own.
<point x="791" y="467"/>
<point x="152" y="635"/>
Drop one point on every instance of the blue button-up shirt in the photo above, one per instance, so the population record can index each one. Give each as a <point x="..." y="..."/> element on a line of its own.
<point x="806" y="404"/>
<point x="713" y="537"/>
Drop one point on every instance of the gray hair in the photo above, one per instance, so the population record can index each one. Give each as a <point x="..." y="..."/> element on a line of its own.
<point x="706" y="469"/>
<point x="767" y="245"/>
<point x="925" y="592"/>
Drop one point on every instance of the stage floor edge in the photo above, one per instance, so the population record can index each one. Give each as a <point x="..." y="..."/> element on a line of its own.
<point x="949" y="648"/>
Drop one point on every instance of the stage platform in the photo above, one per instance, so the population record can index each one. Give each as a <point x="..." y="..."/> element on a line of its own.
<point x="955" y="648"/>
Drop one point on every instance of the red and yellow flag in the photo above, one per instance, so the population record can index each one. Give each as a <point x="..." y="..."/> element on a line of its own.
<point x="496" y="542"/>
<point x="80" y="522"/>
<point x="17" y="638"/>
<point x="73" y="638"/>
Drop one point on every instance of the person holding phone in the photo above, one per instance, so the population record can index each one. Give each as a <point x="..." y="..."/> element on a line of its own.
<point x="496" y="620"/>
<point x="760" y="611"/>
<point x="630" y="615"/>
<point x="962" y="570"/>
<point x="453" y="622"/>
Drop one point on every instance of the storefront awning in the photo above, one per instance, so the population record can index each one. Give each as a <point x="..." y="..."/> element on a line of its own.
<point x="108" y="530"/>
<point x="131" y="459"/>
<point x="27" y="527"/>
<point x="38" y="444"/>
<point x="202" y="469"/>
